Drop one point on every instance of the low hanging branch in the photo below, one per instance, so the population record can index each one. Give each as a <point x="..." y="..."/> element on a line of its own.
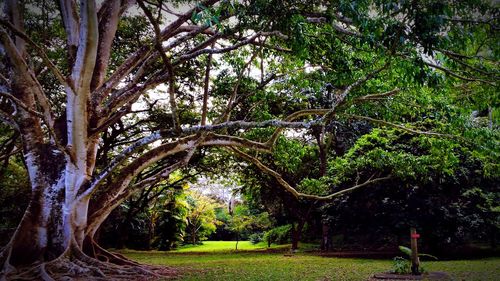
<point x="292" y="190"/>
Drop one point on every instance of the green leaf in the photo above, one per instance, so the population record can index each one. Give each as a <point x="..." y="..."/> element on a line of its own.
<point x="405" y="250"/>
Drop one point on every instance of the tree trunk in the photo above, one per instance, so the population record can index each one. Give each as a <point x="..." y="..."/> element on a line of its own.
<point x="193" y="236"/>
<point x="296" y="235"/>
<point x="50" y="241"/>
<point x="326" y="243"/>
<point x="493" y="237"/>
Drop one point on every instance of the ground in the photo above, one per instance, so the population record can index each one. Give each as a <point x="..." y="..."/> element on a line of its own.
<point x="219" y="261"/>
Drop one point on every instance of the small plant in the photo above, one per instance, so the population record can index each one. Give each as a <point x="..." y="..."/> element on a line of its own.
<point x="402" y="265"/>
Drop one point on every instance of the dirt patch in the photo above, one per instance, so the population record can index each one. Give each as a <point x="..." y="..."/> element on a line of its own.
<point x="432" y="276"/>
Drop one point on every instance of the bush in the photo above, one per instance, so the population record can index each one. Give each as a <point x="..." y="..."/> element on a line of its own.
<point x="256" y="237"/>
<point x="278" y="235"/>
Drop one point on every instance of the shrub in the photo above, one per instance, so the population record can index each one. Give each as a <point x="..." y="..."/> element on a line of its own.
<point x="256" y="237"/>
<point x="278" y="235"/>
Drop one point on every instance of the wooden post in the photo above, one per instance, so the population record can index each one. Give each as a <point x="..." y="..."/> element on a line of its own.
<point x="415" y="262"/>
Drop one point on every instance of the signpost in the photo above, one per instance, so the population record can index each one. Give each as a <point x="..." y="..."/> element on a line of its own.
<point x="415" y="262"/>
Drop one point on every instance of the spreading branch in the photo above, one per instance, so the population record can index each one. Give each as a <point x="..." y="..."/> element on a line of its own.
<point x="299" y="195"/>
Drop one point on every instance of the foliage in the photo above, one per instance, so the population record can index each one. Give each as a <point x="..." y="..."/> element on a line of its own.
<point x="14" y="190"/>
<point x="278" y="235"/>
<point x="170" y="226"/>
<point x="434" y="178"/>
<point x="256" y="238"/>
<point x="401" y="265"/>
<point x="201" y="218"/>
<point x="407" y="252"/>
<point x="243" y="221"/>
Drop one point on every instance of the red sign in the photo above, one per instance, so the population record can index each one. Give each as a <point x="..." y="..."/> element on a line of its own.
<point x="415" y="236"/>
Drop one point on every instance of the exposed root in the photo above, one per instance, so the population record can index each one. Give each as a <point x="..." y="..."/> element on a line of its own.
<point x="73" y="264"/>
<point x="5" y="267"/>
<point x="102" y="254"/>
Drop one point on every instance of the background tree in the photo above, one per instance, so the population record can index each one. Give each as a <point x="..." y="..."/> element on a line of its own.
<point x="243" y="221"/>
<point x="201" y="219"/>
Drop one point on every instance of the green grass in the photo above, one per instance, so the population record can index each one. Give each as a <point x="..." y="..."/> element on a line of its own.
<point x="218" y="246"/>
<point x="229" y="246"/>
<point x="218" y="261"/>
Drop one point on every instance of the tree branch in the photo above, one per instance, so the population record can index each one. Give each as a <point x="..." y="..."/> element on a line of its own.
<point x="206" y="86"/>
<point x="294" y="116"/>
<point x="71" y="22"/>
<point x="451" y="73"/>
<point x="380" y="96"/>
<point x="230" y="103"/>
<point x="292" y="190"/>
<point x="413" y="131"/>
<point x="247" y="41"/>
<point x="21" y="104"/>
<point x="39" y="50"/>
<point x="167" y="65"/>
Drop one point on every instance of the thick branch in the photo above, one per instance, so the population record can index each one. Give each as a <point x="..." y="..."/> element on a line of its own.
<point x="71" y="25"/>
<point x="139" y="57"/>
<point x="291" y="189"/>
<point x="108" y="17"/>
<point x="165" y="172"/>
<point x="26" y="86"/>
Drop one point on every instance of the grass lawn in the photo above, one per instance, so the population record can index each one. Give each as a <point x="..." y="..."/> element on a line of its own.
<point x="218" y="261"/>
